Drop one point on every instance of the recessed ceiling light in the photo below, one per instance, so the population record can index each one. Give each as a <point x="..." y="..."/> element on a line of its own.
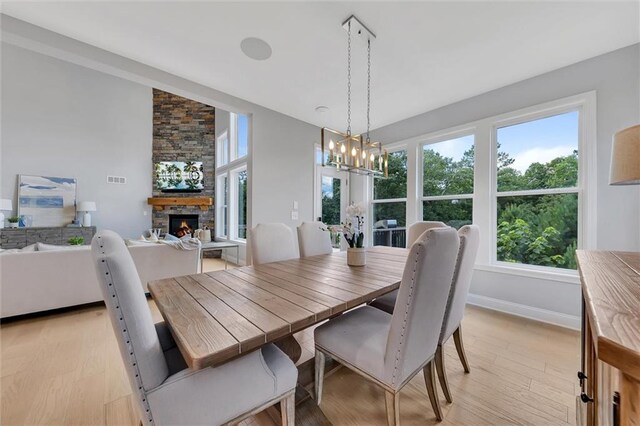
<point x="322" y="108"/>
<point x="256" y="48"/>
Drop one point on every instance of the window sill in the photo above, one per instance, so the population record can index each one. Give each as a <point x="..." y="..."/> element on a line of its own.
<point x="567" y="277"/>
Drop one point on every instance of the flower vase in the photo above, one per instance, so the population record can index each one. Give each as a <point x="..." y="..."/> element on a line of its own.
<point x="356" y="256"/>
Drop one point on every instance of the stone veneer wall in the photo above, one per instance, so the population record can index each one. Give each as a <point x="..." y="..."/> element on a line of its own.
<point x="183" y="130"/>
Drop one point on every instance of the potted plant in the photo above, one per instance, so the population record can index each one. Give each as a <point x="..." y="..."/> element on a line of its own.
<point x="353" y="232"/>
<point x="13" y="221"/>
<point x="76" y="241"/>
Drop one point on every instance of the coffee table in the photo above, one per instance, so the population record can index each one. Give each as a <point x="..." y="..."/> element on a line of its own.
<point x="219" y="245"/>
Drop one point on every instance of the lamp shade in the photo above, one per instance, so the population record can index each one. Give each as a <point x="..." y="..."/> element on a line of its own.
<point x="625" y="157"/>
<point x="5" y="205"/>
<point x="86" y="206"/>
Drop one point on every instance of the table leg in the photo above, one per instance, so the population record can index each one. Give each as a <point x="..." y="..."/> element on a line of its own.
<point x="225" y="259"/>
<point x="238" y="255"/>
<point x="308" y="413"/>
<point x="290" y="346"/>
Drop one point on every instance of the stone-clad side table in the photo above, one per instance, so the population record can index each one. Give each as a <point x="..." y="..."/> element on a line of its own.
<point x="12" y="238"/>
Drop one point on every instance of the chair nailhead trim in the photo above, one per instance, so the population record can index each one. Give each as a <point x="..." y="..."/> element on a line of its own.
<point x="406" y="310"/>
<point x="134" y="362"/>
<point x="456" y="272"/>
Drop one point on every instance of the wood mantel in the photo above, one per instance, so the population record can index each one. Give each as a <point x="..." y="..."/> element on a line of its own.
<point x="160" y="203"/>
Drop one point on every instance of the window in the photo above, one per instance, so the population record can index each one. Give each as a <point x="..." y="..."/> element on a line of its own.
<point x="242" y="128"/>
<point x="222" y="150"/>
<point x="537" y="193"/>
<point x="526" y="178"/>
<point x="222" y="203"/>
<point x="331" y="201"/>
<point x="232" y="148"/>
<point x="241" y="190"/>
<point x="447" y="181"/>
<point x="390" y="203"/>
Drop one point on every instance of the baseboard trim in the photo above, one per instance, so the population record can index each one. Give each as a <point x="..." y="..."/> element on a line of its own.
<point x="37" y="314"/>
<point x="530" y="312"/>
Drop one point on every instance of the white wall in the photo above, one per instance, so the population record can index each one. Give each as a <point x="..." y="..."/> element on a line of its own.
<point x="60" y="119"/>
<point x="280" y="170"/>
<point x="615" y="78"/>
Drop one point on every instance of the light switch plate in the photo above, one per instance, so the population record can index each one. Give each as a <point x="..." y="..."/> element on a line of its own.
<point x="295" y="205"/>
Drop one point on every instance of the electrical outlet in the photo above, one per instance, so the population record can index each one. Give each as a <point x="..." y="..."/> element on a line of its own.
<point x="294" y="215"/>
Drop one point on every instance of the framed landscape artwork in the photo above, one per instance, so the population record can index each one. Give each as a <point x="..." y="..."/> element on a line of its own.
<point x="49" y="201"/>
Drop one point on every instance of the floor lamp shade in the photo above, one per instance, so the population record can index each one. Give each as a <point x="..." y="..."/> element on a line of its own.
<point x="625" y="157"/>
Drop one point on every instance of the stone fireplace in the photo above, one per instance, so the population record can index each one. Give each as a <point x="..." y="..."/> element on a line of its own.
<point x="183" y="130"/>
<point x="181" y="225"/>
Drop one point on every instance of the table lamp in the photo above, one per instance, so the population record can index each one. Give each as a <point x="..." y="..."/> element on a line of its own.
<point x="86" y="207"/>
<point x="5" y="206"/>
<point x="625" y="157"/>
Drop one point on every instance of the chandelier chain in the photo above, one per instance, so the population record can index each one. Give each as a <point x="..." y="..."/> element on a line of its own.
<point x="349" y="80"/>
<point x="368" y="88"/>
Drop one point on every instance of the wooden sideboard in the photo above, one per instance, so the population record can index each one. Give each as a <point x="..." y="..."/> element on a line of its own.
<point x="611" y="336"/>
<point x="13" y="238"/>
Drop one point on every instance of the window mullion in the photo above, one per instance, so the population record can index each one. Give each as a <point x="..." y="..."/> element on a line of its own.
<point x="446" y="197"/>
<point x="547" y="191"/>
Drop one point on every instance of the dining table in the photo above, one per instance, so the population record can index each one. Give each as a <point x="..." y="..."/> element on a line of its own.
<point x="217" y="316"/>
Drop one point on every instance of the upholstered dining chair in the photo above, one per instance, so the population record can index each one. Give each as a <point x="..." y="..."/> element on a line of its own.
<point x="165" y="391"/>
<point x="417" y="229"/>
<point x="415" y="232"/>
<point x="389" y="349"/>
<point x="469" y="241"/>
<point x="314" y="239"/>
<point x="271" y="242"/>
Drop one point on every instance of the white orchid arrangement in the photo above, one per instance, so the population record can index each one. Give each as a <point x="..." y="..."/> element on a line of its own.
<point x="353" y="228"/>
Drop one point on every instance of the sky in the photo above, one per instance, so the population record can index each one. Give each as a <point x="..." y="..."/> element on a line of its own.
<point x="534" y="141"/>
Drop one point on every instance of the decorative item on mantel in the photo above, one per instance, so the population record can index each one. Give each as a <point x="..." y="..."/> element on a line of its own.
<point x="353" y="231"/>
<point x="13" y="221"/>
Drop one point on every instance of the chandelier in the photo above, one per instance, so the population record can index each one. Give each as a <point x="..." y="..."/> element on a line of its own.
<point x="355" y="153"/>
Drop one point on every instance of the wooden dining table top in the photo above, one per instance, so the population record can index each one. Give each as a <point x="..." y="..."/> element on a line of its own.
<point x="217" y="316"/>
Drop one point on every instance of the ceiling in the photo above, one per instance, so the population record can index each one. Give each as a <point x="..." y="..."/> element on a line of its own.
<point x="426" y="55"/>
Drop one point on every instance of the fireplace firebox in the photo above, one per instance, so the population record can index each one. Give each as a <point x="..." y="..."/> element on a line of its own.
<point x="181" y="225"/>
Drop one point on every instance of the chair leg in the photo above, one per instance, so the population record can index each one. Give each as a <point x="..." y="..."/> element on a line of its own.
<point x="320" y="361"/>
<point x="288" y="410"/>
<point x="430" y="379"/>
<point x="442" y="374"/>
<point x="457" y="338"/>
<point x="392" y="403"/>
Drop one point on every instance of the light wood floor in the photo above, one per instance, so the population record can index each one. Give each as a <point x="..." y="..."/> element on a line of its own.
<point x="66" y="369"/>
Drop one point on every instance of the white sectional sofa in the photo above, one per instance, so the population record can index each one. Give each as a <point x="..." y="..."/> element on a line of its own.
<point x="35" y="281"/>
